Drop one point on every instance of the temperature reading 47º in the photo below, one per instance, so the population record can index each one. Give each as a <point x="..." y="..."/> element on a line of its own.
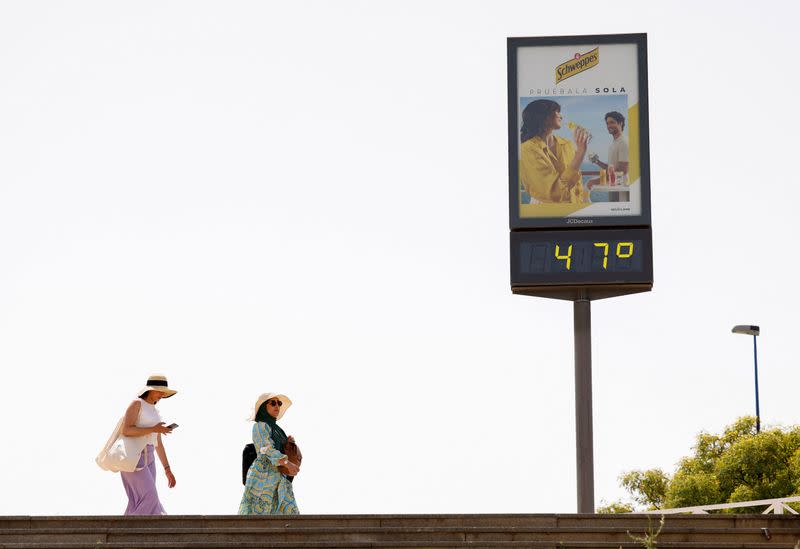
<point x="622" y="250"/>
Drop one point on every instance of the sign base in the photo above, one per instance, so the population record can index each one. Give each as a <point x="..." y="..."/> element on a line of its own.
<point x="573" y="293"/>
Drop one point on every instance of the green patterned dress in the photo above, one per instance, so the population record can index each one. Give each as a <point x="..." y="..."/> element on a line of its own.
<point x="266" y="490"/>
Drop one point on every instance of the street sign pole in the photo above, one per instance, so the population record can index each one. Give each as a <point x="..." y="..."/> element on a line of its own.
<point x="584" y="447"/>
<point x="755" y="362"/>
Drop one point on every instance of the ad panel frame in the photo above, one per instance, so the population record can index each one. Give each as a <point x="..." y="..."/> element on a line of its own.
<point x="575" y="220"/>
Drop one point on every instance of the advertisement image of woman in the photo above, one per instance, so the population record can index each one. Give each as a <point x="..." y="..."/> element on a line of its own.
<point x="549" y="165"/>
<point x="267" y="491"/>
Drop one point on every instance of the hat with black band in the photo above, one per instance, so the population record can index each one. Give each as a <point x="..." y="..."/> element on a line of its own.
<point x="157" y="383"/>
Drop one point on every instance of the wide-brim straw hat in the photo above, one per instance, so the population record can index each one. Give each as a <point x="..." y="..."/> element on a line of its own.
<point x="157" y="383"/>
<point x="265" y="397"/>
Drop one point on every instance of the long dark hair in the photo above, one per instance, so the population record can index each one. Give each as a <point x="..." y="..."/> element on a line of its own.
<point x="534" y="117"/>
<point x="262" y="415"/>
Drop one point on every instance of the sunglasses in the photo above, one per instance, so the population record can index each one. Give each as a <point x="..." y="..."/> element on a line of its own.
<point x="275" y="403"/>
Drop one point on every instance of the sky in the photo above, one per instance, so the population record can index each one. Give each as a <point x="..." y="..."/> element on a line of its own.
<point x="311" y="198"/>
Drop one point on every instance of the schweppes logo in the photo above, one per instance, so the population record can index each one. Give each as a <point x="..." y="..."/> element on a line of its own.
<point x="581" y="62"/>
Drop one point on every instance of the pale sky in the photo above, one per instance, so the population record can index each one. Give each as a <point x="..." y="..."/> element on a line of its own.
<point x="312" y="198"/>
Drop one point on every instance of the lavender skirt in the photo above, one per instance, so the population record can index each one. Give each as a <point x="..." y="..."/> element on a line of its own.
<point x="141" y="487"/>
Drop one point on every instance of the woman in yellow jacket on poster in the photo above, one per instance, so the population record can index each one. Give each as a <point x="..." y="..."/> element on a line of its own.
<point x="549" y="165"/>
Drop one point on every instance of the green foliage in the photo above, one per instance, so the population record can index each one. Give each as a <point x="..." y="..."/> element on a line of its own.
<point x="737" y="465"/>
<point x="648" y="541"/>
<point x="647" y="487"/>
<point x="687" y="488"/>
<point x="615" y="507"/>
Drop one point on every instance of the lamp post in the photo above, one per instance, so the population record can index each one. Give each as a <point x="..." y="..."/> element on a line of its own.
<point x="753" y="331"/>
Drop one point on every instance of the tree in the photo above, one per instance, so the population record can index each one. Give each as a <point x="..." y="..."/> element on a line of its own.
<point x="615" y="507"/>
<point x="648" y="488"/>
<point x="737" y="465"/>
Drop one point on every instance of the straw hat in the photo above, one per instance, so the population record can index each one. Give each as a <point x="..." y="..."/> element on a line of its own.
<point x="157" y="383"/>
<point x="265" y="397"/>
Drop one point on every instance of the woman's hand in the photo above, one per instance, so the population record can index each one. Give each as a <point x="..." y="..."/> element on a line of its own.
<point x="170" y="478"/>
<point x="581" y="140"/>
<point x="161" y="429"/>
<point x="292" y="468"/>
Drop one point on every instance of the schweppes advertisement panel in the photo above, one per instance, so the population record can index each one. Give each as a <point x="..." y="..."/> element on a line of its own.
<point x="577" y="131"/>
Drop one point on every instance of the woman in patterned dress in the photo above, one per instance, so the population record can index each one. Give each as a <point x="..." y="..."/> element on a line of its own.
<point x="267" y="491"/>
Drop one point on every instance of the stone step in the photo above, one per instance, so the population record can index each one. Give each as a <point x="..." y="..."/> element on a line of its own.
<point x="178" y="544"/>
<point x="365" y="521"/>
<point x="397" y="531"/>
<point x="438" y="534"/>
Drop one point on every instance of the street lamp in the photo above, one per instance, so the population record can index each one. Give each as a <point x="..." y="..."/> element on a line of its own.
<point x="753" y="331"/>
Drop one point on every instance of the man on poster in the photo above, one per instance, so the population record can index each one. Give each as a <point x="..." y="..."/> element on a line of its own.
<point x="618" y="150"/>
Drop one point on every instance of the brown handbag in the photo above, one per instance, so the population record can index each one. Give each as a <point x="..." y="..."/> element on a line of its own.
<point x="293" y="454"/>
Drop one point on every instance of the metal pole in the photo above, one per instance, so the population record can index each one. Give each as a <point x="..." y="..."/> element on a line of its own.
<point x="583" y="404"/>
<point x="755" y="361"/>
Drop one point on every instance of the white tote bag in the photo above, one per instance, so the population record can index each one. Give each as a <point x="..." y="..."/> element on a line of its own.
<point x="121" y="453"/>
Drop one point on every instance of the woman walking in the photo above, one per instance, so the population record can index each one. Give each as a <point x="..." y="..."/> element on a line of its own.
<point x="143" y="422"/>
<point x="267" y="491"/>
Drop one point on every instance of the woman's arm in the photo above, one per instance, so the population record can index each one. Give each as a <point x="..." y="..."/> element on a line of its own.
<point x="262" y="440"/>
<point x="162" y="455"/>
<point x="263" y="443"/>
<point x="129" y="428"/>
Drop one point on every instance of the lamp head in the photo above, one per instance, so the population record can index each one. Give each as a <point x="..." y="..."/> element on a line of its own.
<point x="746" y="329"/>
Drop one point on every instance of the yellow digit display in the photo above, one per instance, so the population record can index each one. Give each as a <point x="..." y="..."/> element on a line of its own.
<point x="629" y="253"/>
<point x="568" y="257"/>
<point x="584" y="257"/>
<point x="604" y="245"/>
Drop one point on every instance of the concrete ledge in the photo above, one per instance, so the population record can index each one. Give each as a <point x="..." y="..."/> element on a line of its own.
<point x="397" y="531"/>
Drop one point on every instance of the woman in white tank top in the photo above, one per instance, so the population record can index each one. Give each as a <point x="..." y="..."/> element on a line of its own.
<point x="143" y="420"/>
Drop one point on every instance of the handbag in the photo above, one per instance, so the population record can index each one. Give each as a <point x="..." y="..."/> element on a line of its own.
<point x="121" y="453"/>
<point x="293" y="454"/>
<point x="249" y="456"/>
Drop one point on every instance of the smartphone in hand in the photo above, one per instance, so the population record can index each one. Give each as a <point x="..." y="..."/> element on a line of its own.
<point x="172" y="425"/>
